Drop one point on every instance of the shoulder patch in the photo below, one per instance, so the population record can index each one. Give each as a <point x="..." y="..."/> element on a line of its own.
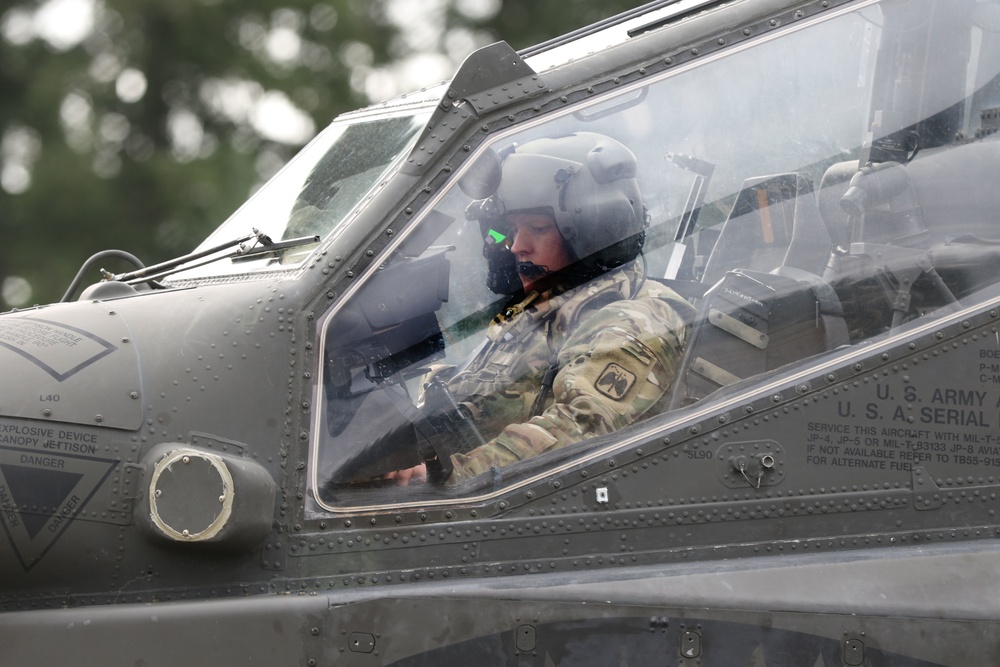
<point x="615" y="381"/>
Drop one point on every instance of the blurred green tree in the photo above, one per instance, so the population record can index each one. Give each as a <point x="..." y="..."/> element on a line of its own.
<point x="142" y="124"/>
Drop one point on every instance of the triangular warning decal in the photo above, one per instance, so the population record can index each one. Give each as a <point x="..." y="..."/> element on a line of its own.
<point x="41" y="494"/>
<point x="37" y="488"/>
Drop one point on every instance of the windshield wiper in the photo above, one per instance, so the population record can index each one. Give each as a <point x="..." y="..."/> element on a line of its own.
<point x="262" y="246"/>
<point x="155" y="272"/>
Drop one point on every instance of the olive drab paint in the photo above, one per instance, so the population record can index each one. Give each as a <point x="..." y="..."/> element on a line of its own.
<point x="776" y="443"/>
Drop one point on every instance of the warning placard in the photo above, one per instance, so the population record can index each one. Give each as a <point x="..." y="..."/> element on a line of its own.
<point x="41" y="494"/>
<point x="58" y="349"/>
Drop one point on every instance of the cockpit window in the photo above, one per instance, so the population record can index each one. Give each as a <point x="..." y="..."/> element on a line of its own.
<point x="315" y="192"/>
<point x="589" y="277"/>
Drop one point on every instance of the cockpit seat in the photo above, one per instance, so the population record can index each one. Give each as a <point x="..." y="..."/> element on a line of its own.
<point x="752" y="322"/>
<point x="773" y="221"/>
<point x="758" y="318"/>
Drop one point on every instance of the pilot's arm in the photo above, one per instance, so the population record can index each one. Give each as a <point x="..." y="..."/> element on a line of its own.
<point x="614" y="367"/>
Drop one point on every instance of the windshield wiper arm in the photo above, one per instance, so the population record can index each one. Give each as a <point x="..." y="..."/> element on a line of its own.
<point x="155" y="271"/>
<point x="150" y="274"/>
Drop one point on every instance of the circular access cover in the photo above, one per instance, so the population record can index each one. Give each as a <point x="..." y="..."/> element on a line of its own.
<point x="191" y="495"/>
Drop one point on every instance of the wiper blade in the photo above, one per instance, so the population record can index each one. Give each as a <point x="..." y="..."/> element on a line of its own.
<point x="272" y="249"/>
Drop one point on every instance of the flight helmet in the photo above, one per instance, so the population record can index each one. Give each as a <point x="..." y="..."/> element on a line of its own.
<point x="585" y="181"/>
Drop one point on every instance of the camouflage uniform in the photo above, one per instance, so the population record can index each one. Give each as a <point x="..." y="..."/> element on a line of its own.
<point x="616" y="358"/>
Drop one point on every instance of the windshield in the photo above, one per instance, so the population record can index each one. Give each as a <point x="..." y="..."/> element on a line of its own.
<point x="664" y="249"/>
<point x="314" y="193"/>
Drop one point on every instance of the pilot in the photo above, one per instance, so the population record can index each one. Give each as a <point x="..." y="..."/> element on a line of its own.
<point x="586" y="344"/>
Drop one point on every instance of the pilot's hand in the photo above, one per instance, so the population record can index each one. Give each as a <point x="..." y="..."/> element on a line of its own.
<point x="415" y="475"/>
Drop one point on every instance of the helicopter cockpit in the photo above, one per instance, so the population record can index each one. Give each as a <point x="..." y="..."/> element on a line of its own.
<point x="807" y="193"/>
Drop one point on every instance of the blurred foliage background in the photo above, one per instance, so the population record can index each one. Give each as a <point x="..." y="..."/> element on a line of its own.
<point x="141" y="125"/>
